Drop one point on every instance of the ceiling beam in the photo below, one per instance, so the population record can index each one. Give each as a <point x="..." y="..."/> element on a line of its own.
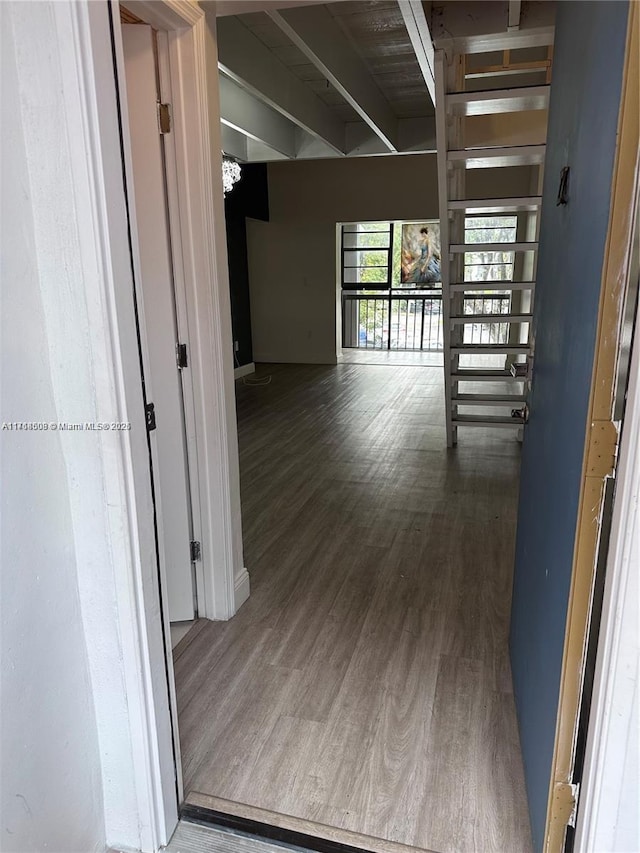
<point x="248" y="115"/>
<point x="417" y="136"/>
<point x="470" y="27"/>
<point x="318" y="35"/>
<point x="244" y="58"/>
<point x="234" y="143"/>
<point x="417" y="26"/>
<point x="258" y="152"/>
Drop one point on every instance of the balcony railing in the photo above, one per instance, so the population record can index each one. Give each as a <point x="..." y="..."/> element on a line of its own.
<point x="482" y="332"/>
<point x="414" y="322"/>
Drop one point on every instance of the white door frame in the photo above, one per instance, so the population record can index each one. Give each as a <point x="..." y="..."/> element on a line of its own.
<point x="198" y="242"/>
<point x="196" y="213"/>
<point x="608" y="799"/>
<point x="196" y="199"/>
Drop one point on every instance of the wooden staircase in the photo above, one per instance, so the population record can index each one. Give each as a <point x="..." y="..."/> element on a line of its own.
<point x="480" y="386"/>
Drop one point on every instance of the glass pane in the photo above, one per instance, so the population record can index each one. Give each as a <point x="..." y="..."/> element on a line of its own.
<point x="371" y="258"/>
<point x="364" y="239"/>
<point x="488" y="257"/>
<point x="490" y="229"/>
<point x="372" y="226"/>
<point x="376" y="275"/>
<point x="490" y="235"/>
<point x="490" y="221"/>
<point x="488" y="272"/>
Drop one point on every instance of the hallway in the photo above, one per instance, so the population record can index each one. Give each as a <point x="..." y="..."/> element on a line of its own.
<point x="366" y="683"/>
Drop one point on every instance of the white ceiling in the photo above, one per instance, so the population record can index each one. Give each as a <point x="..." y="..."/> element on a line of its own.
<point x="303" y="79"/>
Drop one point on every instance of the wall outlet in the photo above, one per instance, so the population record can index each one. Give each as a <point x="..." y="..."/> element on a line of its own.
<point x="236" y="346"/>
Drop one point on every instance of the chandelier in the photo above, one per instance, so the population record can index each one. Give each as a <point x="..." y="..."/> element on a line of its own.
<point x="230" y="173"/>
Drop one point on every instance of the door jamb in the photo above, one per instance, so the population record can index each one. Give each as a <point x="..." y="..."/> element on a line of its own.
<point x="95" y="146"/>
<point x="182" y="319"/>
<point x="612" y="719"/>
<point x="196" y="211"/>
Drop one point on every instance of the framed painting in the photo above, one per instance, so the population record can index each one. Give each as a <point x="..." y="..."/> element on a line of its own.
<point x="420" y="254"/>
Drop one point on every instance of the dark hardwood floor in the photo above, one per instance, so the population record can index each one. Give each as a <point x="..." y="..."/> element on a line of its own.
<point x="366" y="683"/>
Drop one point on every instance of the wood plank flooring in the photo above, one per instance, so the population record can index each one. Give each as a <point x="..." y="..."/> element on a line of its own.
<point x="365" y="684"/>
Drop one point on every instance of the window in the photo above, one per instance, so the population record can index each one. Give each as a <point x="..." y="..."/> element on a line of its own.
<point x="367" y="255"/>
<point x="379" y="311"/>
<point x="488" y="265"/>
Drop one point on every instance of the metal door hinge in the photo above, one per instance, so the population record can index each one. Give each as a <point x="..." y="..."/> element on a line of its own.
<point x="196" y="551"/>
<point x="181" y="356"/>
<point x="150" y="416"/>
<point x="575" y="790"/>
<point x="164" y="118"/>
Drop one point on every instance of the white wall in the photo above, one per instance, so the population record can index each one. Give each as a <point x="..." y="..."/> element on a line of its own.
<point x="52" y="796"/>
<point x="241" y="575"/>
<point x="292" y="258"/>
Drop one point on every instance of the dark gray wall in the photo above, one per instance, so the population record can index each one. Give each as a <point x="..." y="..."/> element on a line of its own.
<point x="248" y="198"/>
<point x="585" y="97"/>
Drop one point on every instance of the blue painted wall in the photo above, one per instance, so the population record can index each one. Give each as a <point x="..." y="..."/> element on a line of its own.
<point x="583" y="115"/>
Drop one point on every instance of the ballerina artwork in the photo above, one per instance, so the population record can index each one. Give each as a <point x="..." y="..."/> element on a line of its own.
<point x="420" y="255"/>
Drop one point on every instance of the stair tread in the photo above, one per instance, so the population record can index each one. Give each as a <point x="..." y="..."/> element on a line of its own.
<point x="495" y="419"/>
<point x="496" y="205"/>
<point x="506" y="348"/>
<point x="492" y="101"/>
<point x="487" y="399"/>
<point x="484" y="375"/>
<point x="488" y="420"/>
<point x="484" y="158"/>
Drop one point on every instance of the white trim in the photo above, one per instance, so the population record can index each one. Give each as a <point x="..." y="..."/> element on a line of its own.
<point x="200" y="214"/>
<point x="137" y="583"/>
<point x="242" y="588"/>
<point x="244" y="370"/>
<point x="139" y="773"/>
<point x="115" y="540"/>
<point x="188" y="395"/>
<point x="613" y="726"/>
<point x="203" y="314"/>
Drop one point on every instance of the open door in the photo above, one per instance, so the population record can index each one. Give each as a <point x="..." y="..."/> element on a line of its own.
<point x="158" y="321"/>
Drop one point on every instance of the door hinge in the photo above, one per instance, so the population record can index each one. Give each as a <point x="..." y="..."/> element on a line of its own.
<point x="196" y="551"/>
<point x="164" y="118"/>
<point x="575" y="790"/>
<point x="603" y="446"/>
<point x="150" y="416"/>
<point x="181" y="355"/>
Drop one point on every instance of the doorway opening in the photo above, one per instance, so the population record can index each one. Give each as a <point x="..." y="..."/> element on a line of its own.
<point x="283" y="643"/>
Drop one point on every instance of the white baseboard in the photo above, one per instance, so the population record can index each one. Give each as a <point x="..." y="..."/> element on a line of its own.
<point x="244" y="370"/>
<point x="242" y="588"/>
